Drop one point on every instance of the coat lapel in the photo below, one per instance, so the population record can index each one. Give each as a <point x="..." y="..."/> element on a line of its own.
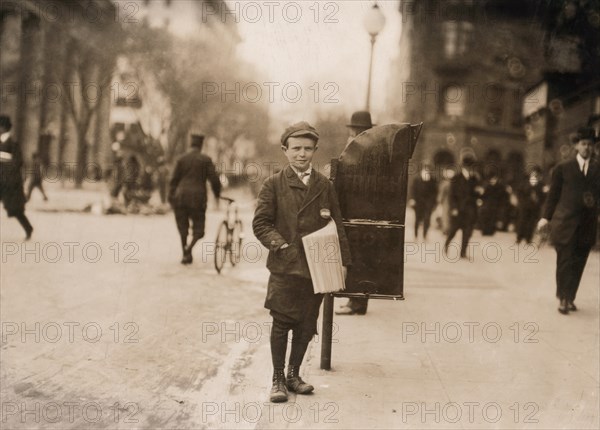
<point x="293" y="179"/>
<point x="593" y="170"/>
<point x="316" y="185"/>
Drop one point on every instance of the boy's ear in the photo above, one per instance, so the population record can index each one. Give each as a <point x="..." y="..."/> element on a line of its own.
<point x="283" y="148"/>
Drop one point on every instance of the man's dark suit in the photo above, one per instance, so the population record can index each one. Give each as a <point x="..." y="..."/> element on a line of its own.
<point x="462" y="198"/>
<point x="187" y="193"/>
<point x="424" y="193"/>
<point x="572" y="209"/>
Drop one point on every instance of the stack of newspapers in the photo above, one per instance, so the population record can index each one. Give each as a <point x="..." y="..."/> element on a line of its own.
<point x="322" y="249"/>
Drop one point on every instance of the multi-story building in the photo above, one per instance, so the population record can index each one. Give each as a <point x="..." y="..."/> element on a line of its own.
<point x="464" y="69"/>
<point x="56" y="66"/>
<point x="568" y="96"/>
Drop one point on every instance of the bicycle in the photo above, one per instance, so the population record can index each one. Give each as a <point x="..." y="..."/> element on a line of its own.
<point x="229" y="237"/>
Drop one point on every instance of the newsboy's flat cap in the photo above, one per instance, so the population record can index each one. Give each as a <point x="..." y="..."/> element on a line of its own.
<point x="300" y="129"/>
<point x="584" y="133"/>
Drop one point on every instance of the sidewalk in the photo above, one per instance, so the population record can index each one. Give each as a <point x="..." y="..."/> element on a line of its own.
<point x="67" y="198"/>
<point x="476" y="344"/>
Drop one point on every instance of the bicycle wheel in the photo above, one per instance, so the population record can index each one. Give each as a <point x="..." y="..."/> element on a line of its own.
<point x="237" y="235"/>
<point x="221" y="245"/>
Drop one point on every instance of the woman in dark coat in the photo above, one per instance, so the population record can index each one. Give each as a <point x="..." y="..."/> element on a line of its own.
<point x="11" y="181"/>
<point x="494" y="198"/>
<point x="531" y="197"/>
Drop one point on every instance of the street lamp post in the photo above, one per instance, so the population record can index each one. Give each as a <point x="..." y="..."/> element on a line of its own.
<point x="374" y="22"/>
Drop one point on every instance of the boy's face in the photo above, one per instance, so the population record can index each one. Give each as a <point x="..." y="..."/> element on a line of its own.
<point x="300" y="152"/>
<point x="584" y="148"/>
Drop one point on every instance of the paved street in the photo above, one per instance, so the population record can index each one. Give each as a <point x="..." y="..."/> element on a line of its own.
<point x="103" y="328"/>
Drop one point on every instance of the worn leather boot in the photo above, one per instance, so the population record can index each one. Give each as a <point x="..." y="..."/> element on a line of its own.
<point x="295" y="382"/>
<point x="279" y="391"/>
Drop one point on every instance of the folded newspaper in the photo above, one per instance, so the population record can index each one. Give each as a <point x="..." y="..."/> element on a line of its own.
<point x="322" y="249"/>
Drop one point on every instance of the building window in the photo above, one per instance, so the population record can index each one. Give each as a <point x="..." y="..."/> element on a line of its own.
<point x="516" y="120"/>
<point x="564" y="54"/>
<point x="494" y="116"/>
<point x="453" y="100"/>
<point x="450" y="29"/>
<point x="457" y="36"/>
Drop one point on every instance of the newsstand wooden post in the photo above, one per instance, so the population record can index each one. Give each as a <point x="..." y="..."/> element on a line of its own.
<point x="326" y="332"/>
<point x="371" y="181"/>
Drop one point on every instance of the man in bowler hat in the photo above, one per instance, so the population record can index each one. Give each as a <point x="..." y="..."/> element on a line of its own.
<point x="359" y="121"/>
<point x="571" y="214"/>
<point x="11" y="180"/>
<point x="188" y="195"/>
<point x="291" y="204"/>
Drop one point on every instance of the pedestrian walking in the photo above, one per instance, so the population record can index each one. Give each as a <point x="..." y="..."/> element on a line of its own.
<point x="118" y="174"/>
<point x="531" y="196"/>
<point x="494" y="201"/>
<point x="131" y="180"/>
<point x="462" y="201"/>
<point x="443" y="199"/>
<point x="290" y="204"/>
<point x="11" y="180"/>
<point x="424" y="195"/>
<point x="188" y="194"/>
<point x="571" y="213"/>
<point x="36" y="180"/>
<point x="162" y="178"/>
<point x="359" y="121"/>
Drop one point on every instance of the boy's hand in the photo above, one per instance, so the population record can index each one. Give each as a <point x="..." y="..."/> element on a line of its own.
<point x="344" y="272"/>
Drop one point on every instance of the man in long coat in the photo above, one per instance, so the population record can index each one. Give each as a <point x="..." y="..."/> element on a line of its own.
<point x="291" y="204"/>
<point x="424" y="195"/>
<point x="359" y="121"/>
<point x="188" y="194"/>
<point x="571" y="211"/>
<point x="531" y="196"/>
<point x="11" y="180"/>
<point x="463" y="204"/>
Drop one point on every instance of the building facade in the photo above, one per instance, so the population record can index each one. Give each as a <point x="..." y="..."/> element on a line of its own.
<point x="568" y="95"/>
<point x="464" y="70"/>
<point x="56" y="67"/>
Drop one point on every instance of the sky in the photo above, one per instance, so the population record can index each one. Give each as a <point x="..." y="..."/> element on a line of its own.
<point x="316" y="54"/>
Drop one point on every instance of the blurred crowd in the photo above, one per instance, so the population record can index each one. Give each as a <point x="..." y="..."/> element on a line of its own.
<point x="496" y="204"/>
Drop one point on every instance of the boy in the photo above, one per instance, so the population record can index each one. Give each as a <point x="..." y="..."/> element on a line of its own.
<point x="289" y="207"/>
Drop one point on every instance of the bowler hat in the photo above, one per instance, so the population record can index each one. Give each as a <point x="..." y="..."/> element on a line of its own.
<point x="197" y="140"/>
<point x="5" y="122"/>
<point x="300" y="129"/>
<point x="584" y="133"/>
<point x="360" y="119"/>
